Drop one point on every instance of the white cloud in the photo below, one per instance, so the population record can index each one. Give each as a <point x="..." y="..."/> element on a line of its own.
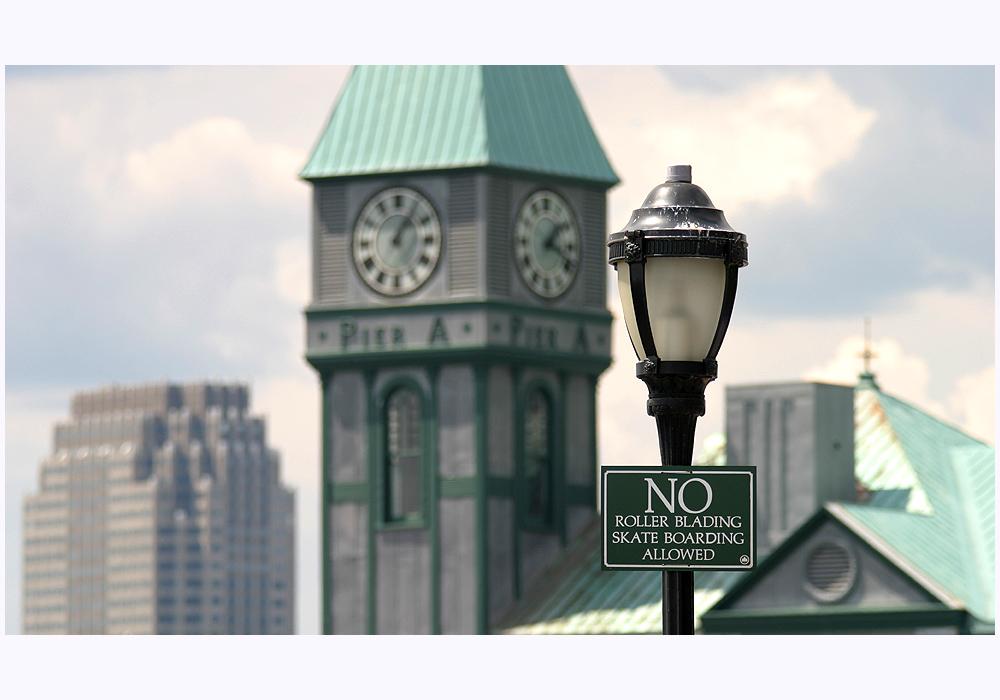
<point x="292" y="274"/>
<point x="770" y="141"/>
<point x="944" y="372"/>
<point x="897" y="373"/>
<point x="973" y="403"/>
<point x="970" y="403"/>
<point x="214" y="161"/>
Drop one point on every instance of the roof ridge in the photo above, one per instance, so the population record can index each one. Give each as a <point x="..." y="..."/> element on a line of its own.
<point x="918" y="500"/>
<point x="842" y="512"/>
<point x="930" y="416"/>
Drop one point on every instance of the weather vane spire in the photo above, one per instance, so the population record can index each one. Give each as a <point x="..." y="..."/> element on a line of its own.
<point x="867" y="353"/>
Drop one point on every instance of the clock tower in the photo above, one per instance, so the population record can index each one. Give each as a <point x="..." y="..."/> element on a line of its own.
<point x="458" y="325"/>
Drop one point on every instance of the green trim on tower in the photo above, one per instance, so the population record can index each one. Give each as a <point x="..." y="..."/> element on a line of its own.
<point x="559" y="485"/>
<point x="518" y="484"/>
<point x="526" y="119"/>
<point x="523" y="357"/>
<point x="326" y="501"/>
<point x="434" y="494"/>
<point x="482" y="522"/>
<point x="428" y="458"/>
<point x="319" y="312"/>
<point x="556" y="437"/>
<point x="372" y="420"/>
<point x="348" y="492"/>
<point x="457" y="486"/>
<point x="592" y="480"/>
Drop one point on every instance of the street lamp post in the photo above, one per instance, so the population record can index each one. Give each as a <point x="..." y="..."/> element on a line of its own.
<point x="677" y="261"/>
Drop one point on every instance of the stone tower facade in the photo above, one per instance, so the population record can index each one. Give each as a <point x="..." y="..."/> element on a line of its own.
<point x="458" y="327"/>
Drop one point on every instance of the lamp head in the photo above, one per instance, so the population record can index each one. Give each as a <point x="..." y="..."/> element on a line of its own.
<point x="677" y="260"/>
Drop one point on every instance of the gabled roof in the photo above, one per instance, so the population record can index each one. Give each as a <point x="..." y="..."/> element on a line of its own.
<point x="935" y="607"/>
<point x="930" y="512"/>
<point x="525" y="119"/>
<point x="946" y="527"/>
<point x="930" y="509"/>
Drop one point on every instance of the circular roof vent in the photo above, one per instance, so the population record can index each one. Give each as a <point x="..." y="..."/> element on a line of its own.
<point x="830" y="572"/>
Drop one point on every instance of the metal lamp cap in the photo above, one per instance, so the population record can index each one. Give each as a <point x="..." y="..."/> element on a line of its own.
<point x="677" y="219"/>
<point x="675" y="204"/>
<point x="678" y="173"/>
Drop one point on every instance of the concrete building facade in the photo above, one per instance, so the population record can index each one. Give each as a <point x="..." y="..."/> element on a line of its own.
<point x="160" y="511"/>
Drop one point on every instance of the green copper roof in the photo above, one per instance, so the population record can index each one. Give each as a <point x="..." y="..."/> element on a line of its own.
<point x="415" y="118"/>
<point x="947" y="532"/>
<point x="880" y="462"/>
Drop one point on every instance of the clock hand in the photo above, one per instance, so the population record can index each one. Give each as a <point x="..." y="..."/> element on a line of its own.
<point x="398" y="237"/>
<point x="560" y="247"/>
<point x="550" y="242"/>
<point x="407" y="219"/>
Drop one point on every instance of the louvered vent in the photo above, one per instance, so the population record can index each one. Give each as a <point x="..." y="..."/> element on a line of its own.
<point x="462" y="241"/>
<point x="332" y="245"/>
<point x="830" y="572"/>
<point x="594" y="266"/>
<point x="499" y="255"/>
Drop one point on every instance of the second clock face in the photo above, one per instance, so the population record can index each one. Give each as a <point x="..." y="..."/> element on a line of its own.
<point x="397" y="241"/>
<point x="546" y="244"/>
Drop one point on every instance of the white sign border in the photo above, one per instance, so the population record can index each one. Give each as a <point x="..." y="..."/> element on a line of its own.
<point x="605" y="470"/>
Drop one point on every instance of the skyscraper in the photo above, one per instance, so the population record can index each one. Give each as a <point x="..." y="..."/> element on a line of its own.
<point x="160" y="511"/>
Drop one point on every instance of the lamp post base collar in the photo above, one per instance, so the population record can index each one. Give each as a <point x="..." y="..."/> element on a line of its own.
<point x="676" y="388"/>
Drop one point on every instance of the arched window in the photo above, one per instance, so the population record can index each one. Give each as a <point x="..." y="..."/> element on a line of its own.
<point x="538" y="457"/>
<point x="403" y="456"/>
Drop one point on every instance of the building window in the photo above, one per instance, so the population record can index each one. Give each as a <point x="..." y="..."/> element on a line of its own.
<point x="538" y="458"/>
<point x="403" y="466"/>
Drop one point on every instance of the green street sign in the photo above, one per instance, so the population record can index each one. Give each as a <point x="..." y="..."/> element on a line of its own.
<point x="678" y="518"/>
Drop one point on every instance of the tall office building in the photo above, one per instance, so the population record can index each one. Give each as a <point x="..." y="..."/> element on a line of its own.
<point x="160" y="511"/>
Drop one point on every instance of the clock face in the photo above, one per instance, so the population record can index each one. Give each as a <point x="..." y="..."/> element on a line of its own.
<point x="397" y="241"/>
<point x="546" y="244"/>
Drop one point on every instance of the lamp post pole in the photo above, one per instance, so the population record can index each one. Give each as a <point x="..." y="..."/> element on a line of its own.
<point x="675" y="402"/>
<point x="677" y="261"/>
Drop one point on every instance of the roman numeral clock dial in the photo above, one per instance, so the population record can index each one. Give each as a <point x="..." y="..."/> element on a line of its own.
<point x="397" y="241"/>
<point x="546" y="244"/>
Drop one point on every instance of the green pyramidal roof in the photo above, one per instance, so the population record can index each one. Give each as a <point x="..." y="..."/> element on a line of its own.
<point x="409" y="118"/>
